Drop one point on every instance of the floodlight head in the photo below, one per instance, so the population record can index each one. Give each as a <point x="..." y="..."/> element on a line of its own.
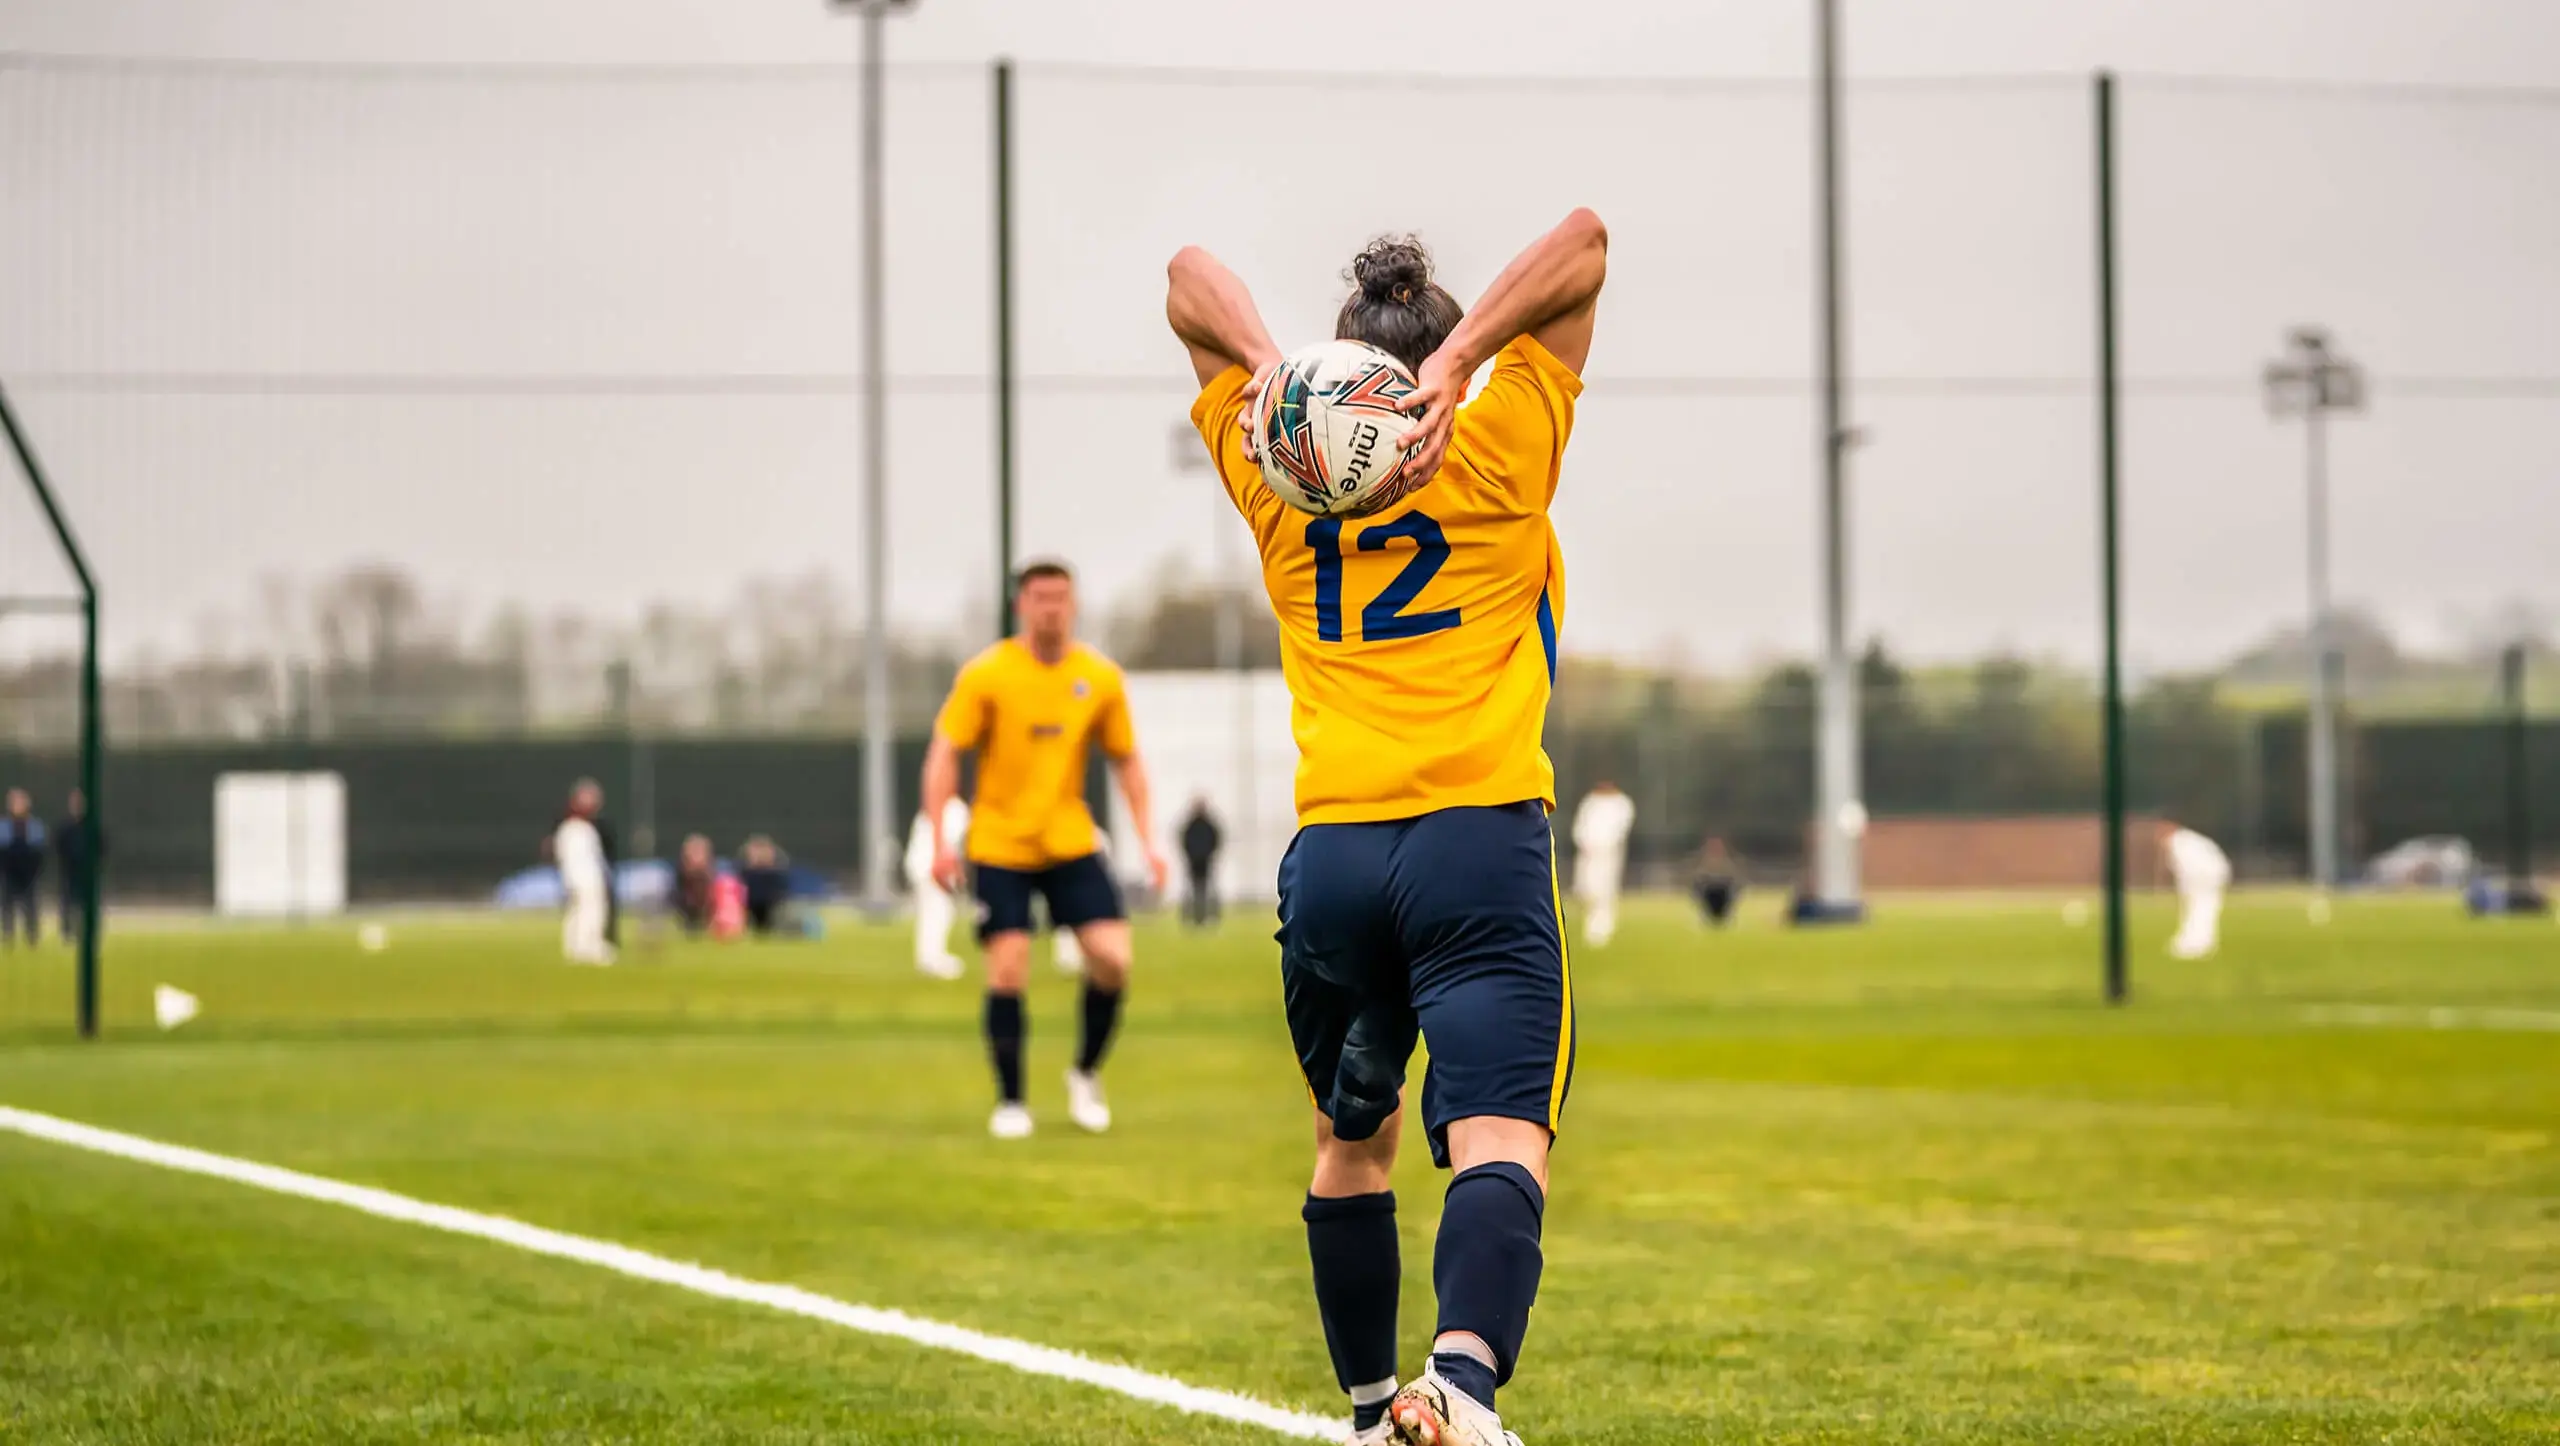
<point x="2313" y="377"/>
<point x="2342" y="386"/>
<point x="2288" y="386"/>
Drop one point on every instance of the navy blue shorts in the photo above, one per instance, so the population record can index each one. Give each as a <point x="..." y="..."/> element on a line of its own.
<point x="1079" y="892"/>
<point x="1445" y="927"/>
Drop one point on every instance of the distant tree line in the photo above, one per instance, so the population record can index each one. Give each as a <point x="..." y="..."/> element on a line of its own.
<point x="369" y="655"/>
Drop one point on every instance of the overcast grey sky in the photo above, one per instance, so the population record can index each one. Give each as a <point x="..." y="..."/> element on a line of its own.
<point x="276" y="321"/>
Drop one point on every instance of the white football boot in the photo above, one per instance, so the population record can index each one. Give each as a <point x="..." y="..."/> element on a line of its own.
<point x="1382" y="1434"/>
<point x="1431" y="1412"/>
<point x="946" y="967"/>
<point x="1085" y="1104"/>
<point x="1010" y="1122"/>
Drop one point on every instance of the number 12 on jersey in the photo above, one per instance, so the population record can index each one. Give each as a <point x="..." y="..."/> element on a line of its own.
<point x="1385" y="618"/>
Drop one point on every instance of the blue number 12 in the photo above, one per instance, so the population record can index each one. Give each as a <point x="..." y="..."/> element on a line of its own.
<point x="1385" y="618"/>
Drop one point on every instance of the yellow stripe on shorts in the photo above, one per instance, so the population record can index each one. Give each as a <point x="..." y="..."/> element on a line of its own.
<point x="1564" y="1028"/>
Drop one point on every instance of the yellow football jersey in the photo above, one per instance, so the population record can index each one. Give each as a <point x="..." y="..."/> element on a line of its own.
<point x="1031" y="724"/>
<point x="1420" y="644"/>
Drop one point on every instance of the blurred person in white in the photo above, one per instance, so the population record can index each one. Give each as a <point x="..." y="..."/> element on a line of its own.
<point x="2203" y="873"/>
<point x="1600" y="828"/>
<point x="586" y="878"/>
<point x="937" y="908"/>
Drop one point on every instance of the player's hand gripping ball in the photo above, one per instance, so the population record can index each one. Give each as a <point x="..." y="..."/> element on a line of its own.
<point x="1326" y="429"/>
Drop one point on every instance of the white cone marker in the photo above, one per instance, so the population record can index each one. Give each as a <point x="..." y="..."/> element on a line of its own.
<point x="172" y="1006"/>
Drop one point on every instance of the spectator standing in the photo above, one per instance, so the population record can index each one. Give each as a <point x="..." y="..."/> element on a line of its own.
<point x="1201" y="840"/>
<point x="77" y="846"/>
<point x="695" y="869"/>
<point x="1719" y="882"/>
<point x="21" y="865"/>
<point x="762" y="869"/>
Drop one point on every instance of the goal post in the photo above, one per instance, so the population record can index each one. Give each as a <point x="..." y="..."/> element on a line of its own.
<point x="92" y="722"/>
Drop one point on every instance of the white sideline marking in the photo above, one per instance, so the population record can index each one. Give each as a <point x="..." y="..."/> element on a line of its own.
<point x="2438" y="1017"/>
<point x="623" y="1260"/>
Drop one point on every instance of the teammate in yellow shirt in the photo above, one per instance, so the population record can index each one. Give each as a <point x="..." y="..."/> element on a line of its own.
<point x="1031" y="708"/>
<point x="1419" y="895"/>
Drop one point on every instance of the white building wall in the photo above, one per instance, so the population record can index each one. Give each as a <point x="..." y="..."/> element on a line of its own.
<point x="1225" y="736"/>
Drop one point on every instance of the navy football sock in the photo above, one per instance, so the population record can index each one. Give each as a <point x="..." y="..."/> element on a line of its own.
<point x="1101" y="1017"/>
<point x="1466" y="1373"/>
<point x="1005" y="1029"/>
<point x="1352" y="1241"/>
<point x="1486" y="1269"/>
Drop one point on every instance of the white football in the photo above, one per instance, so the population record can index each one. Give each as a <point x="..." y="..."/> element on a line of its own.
<point x="1326" y="430"/>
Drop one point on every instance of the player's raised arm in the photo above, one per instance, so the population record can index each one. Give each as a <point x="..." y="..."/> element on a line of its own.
<point x="1551" y="291"/>
<point x="1210" y="309"/>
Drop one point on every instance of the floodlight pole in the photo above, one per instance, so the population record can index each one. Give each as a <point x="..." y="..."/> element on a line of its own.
<point x="2323" y="739"/>
<point x="2312" y="380"/>
<point x="1836" y="791"/>
<point x="878" y="720"/>
<point x="2110" y="543"/>
<point x="1004" y="346"/>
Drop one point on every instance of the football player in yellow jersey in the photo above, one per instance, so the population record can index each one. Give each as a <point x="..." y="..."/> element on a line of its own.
<point x="1419" y="896"/>
<point x="1030" y="708"/>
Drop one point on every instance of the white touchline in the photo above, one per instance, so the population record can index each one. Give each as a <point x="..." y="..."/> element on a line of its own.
<point x="2433" y="1017"/>
<point x="622" y="1259"/>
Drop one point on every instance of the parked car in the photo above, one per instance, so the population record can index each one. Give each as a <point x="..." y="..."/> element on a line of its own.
<point x="2438" y="861"/>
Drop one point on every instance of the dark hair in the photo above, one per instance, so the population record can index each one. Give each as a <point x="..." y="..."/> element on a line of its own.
<point x="1036" y="571"/>
<point x="1394" y="304"/>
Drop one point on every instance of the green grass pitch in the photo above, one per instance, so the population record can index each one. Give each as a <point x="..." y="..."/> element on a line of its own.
<point x="1907" y="1183"/>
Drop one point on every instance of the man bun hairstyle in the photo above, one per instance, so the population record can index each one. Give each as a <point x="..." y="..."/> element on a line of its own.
<point x="1394" y="304"/>
<point x="1391" y="269"/>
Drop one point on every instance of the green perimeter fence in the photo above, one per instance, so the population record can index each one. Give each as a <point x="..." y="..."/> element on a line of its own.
<point x="445" y="820"/>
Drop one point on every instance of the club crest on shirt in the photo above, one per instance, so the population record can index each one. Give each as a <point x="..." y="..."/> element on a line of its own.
<point x="1082" y="687"/>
